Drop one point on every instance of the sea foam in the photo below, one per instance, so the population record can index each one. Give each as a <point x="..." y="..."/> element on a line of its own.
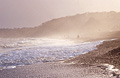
<point x="33" y="50"/>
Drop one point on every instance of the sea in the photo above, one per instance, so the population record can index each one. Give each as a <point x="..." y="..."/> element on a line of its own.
<point x="25" y="51"/>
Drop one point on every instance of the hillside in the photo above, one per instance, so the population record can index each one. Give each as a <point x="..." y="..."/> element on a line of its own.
<point x="97" y="24"/>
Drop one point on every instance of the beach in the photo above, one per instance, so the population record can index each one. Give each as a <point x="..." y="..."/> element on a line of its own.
<point x="59" y="39"/>
<point x="94" y="64"/>
<point x="54" y="70"/>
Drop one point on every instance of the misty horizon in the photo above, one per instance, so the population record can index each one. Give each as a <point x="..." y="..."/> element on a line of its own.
<point x="54" y="19"/>
<point x="26" y="13"/>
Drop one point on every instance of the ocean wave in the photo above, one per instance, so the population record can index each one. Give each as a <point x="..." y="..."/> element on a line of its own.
<point x="30" y="51"/>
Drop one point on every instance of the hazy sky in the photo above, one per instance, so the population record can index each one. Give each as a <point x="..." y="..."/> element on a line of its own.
<point x="26" y="13"/>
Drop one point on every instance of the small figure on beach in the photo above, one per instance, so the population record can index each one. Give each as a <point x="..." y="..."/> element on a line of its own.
<point x="78" y="36"/>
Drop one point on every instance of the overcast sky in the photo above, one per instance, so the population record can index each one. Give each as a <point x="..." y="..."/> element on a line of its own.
<point x="27" y="13"/>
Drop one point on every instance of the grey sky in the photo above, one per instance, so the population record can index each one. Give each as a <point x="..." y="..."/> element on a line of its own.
<point x="26" y="13"/>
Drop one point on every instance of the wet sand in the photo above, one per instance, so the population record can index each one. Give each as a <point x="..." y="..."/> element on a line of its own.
<point x="54" y="70"/>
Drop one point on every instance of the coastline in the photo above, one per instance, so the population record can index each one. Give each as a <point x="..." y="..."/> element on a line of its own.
<point x="89" y="65"/>
<point x="107" y="48"/>
<point x="105" y="56"/>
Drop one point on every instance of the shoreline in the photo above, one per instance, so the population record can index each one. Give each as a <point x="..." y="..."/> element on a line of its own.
<point x="106" y="55"/>
<point x="65" y="52"/>
<point x="103" y="49"/>
<point x="89" y="65"/>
